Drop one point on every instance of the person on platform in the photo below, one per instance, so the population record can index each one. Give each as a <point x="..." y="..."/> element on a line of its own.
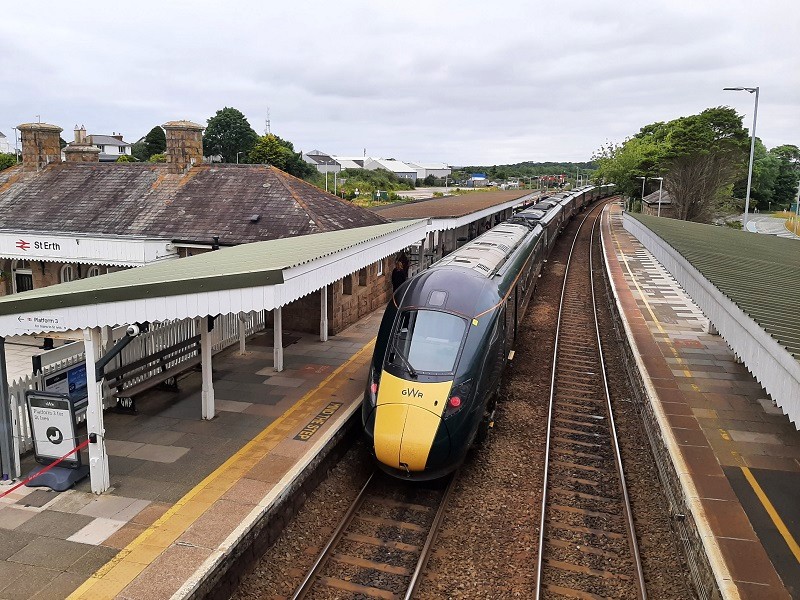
<point x="403" y="259"/>
<point x="398" y="275"/>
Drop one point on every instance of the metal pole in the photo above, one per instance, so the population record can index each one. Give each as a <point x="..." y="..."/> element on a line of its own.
<point x="750" y="168"/>
<point x="660" y="187"/>
<point x="6" y="419"/>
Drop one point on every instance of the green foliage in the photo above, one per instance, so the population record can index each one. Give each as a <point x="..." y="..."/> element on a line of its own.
<point x="155" y="142"/>
<point x="273" y="150"/>
<point x="158" y="158"/>
<point x="699" y="156"/>
<point x="62" y="142"/>
<point x="126" y="158"/>
<point x="7" y="160"/>
<point x="227" y="134"/>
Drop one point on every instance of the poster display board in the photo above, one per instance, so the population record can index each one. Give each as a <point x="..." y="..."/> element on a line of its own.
<point x="52" y="421"/>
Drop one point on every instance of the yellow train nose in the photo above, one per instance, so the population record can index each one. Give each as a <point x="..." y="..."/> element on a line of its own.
<point x="404" y="435"/>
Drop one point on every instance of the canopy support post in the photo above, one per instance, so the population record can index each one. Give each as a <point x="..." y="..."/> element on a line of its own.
<point x="98" y="458"/>
<point x="277" y="321"/>
<point x="207" y="394"/>
<point x="323" y="314"/>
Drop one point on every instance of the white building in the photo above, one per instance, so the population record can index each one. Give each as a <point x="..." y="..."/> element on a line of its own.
<point x="6" y="147"/>
<point x="111" y="146"/>
<point x="438" y="170"/>
<point x="401" y="169"/>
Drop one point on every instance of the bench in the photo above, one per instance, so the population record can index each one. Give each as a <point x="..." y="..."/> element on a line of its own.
<point x="154" y="367"/>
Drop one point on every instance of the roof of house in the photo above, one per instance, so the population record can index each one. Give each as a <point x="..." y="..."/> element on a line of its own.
<point x="653" y="198"/>
<point x="107" y="140"/>
<point x="238" y="203"/>
<point x="449" y="206"/>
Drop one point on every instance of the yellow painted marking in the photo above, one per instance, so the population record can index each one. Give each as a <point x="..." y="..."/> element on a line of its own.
<point x="475" y="322"/>
<point x="108" y="580"/>
<point x="773" y="514"/>
<point x="724" y="435"/>
<point x="407" y="417"/>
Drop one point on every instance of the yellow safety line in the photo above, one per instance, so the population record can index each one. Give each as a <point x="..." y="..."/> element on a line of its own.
<point x="686" y="372"/>
<point x="244" y="455"/>
<point x="773" y="514"/>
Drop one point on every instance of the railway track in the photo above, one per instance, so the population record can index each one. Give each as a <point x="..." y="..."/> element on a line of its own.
<point x="380" y="547"/>
<point x="587" y="541"/>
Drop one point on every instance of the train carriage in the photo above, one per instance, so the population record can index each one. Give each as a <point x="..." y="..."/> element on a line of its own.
<point x="442" y="347"/>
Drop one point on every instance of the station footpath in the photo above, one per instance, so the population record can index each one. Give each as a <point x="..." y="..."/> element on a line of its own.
<point x="184" y="490"/>
<point x="736" y="454"/>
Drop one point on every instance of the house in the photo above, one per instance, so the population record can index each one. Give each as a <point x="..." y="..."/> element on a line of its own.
<point x="401" y="169"/>
<point x="424" y="169"/>
<point x="5" y="146"/>
<point x="111" y="146"/>
<point x="478" y="180"/>
<point x="77" y="218"/>
<point x="650" y="204"/>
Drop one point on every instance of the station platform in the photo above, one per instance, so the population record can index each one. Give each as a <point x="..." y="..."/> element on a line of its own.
<point x="736" y="455"/>
<point x="184" y="491"/>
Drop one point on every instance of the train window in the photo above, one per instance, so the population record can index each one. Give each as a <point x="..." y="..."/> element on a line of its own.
<point x="427" y="340"/>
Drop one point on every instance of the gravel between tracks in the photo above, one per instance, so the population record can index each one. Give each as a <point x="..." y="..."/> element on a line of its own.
<point x="487" y="546"/>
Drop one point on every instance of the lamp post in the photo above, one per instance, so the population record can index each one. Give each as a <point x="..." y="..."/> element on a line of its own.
<point x="237" y="156"/>
<point x="644" y="180"/>
<point x="660" y="187"/>
<point x="752" y="149"/>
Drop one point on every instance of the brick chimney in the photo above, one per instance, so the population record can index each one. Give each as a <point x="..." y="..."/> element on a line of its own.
<point x="40" y="145"/>
<point x="184" y="145"/>
<point x="81" y="150"/>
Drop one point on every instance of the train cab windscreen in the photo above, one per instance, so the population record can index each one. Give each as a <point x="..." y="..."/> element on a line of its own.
<point x="427" y="340"/>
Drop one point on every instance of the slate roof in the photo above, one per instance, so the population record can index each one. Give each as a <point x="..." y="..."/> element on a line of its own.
<point x="106" y="140"/>
<point x="449" y="206"/>
<point x="653" y="198"/>
<point x="129" y="199"/>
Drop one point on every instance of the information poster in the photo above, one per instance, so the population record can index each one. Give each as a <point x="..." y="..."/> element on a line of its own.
<point x="52" y="427"/>
<point x="70" y="381"/>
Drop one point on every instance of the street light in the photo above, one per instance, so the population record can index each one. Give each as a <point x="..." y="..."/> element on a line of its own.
<point x="752" y="148"/>
<point x="644" y="180"/>
<point x="660" y="187"/>
<point x="237" y="156"/>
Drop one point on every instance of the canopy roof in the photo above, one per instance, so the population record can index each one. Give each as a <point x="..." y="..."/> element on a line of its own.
<point x="257" y="276"/>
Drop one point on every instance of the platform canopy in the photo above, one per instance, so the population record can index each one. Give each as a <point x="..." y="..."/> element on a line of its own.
<point x="249" y="277"/>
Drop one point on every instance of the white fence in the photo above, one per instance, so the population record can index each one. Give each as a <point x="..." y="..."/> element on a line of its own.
<point x="160" y="336"/>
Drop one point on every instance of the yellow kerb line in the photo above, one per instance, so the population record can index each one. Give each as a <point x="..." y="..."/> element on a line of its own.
<point x="773" y="514"/>
<point x="99" y="577"/>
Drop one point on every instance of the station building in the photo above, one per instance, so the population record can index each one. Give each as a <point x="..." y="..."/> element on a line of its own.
<point x="66" y="220"/>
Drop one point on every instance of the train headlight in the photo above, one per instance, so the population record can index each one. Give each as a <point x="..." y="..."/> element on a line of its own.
<point x="372" y="386"/>
<point x="458" y="398"/>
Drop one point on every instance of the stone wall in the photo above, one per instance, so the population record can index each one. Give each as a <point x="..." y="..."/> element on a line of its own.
<point x="40" y="145"/>
<point x="344" y="309"/>
<point x="184" y="145"/>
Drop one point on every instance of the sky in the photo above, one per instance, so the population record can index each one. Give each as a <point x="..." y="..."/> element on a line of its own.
<point x="461" y="82"/>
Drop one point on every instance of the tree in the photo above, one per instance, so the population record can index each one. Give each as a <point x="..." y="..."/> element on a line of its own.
<point x="228" y="133"/>
<point x="273" y="150"/>
<point x="7" y="160"/>
<point x="699" y="156"/>
<point x="786" y="181"/>
<point x="155" y="142"/>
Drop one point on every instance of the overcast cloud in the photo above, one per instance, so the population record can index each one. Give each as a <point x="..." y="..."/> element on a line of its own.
<point x="459" y="82"/>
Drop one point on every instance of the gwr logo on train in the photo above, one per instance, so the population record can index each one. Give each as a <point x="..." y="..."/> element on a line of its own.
<point x="412" y="392"/>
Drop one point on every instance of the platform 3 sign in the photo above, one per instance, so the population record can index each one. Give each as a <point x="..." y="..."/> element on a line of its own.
<point x="52" y="424"/>
<point x="313" y="426"/>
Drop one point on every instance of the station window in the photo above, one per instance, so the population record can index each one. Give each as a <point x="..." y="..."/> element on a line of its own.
<point x="93" y="271"/>
<point x="380" y="267"/>
<point x="67" y="273"/>
<point x="347" y="285"/>
<point x="362" y="277"/>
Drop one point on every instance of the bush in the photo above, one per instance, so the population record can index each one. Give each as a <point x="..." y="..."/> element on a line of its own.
<point x="7" y="160"/>
<point x="126" y="158"/>
<point x="158" y="158"/>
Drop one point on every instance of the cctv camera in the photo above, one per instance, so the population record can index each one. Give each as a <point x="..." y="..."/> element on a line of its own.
<point x="133" y="330"/>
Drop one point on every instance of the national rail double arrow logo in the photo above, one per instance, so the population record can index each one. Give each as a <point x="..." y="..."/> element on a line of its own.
<point x="23" y="245"/>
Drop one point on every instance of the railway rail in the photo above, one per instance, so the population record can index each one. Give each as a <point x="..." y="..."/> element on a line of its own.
<point x="587" y="540"/>
<point x="382" y="544"/>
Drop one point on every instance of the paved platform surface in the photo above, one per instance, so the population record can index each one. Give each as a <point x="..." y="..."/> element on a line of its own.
<point x="184" y="490"/>
<point x="735" y="449"/>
